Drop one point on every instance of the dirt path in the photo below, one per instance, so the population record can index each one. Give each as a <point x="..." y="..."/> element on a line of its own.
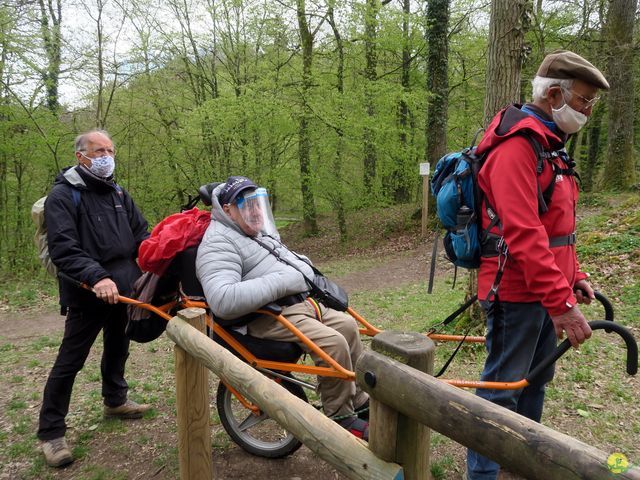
<point x="396" y="269"/>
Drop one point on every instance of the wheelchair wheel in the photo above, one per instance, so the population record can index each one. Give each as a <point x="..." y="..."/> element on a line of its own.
<point x="258" y="435"/>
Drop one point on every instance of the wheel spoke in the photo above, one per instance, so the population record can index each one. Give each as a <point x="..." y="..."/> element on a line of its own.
<point x="252" y="420"/>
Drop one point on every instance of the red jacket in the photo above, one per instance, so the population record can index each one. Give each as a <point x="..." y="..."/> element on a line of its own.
<point x="534" y="271"/>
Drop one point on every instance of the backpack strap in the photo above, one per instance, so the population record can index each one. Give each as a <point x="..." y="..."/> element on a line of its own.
<point x="544" y="197"/>
<point x="75" y="196"/>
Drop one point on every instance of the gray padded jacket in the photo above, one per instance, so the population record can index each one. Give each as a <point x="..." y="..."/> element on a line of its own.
<point x="238" y="275"/>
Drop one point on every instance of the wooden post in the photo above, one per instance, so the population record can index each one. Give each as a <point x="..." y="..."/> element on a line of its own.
<point x="392" y="435"/>
<point x="515" y="442"/>
<point x="192" y="405"/>
<point x="424" y="172"/>
<point x="320" y="434"/>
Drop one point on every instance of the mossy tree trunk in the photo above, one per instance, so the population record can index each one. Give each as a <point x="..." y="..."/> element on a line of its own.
<point x="304" y="142"/>
<point x="437" y="26"/>
<point x="619" y="170"/>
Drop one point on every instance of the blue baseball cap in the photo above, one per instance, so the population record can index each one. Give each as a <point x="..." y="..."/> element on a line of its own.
<point x="233" y="187"/>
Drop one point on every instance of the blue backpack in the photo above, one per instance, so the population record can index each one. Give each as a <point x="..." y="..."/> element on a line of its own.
<point x="459" y="201"/>
<point x="457" y="196"/>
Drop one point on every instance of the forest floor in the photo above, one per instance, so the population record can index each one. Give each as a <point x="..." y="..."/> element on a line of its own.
<point x="388" y="263"/>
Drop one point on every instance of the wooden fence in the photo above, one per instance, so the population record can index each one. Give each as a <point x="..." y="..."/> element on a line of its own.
<point x="406" y="401"/>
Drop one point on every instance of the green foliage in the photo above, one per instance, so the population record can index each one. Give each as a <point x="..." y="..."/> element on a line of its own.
<point x="194" y="102"/>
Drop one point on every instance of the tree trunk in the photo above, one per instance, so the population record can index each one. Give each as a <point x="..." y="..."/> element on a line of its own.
<point x="437" y="80"/>
<point x="590" y="156"/>
<point x="50" y="29"/>
<point x="371" y="58"/>
<point x="100" y="59"/>
<point x="399" y="183"/>
<point x="504" y="56"/>
<point x="337" y="195"/>
<point x="619" y="171"/>
<point x="304" y="142"/>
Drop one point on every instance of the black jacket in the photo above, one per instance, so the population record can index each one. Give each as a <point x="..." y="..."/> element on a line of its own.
<point x="96" y="239"/>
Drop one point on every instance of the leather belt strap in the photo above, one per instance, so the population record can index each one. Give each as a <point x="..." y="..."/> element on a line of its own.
<point x="490" y="247"/>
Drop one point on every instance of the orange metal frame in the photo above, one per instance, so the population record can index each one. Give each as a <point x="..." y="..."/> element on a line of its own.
<point x="333" y="369"/>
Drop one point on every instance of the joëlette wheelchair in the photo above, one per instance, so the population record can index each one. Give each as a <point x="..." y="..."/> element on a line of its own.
<point x="251" y="428"/>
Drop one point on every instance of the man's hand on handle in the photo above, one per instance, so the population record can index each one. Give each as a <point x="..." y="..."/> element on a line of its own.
<point x="584" y="292"/>
<point x="106" y="290"/>
<point x="574" y="323"/>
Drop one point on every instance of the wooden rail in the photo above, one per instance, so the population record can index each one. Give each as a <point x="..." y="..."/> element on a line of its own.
<point x="406" y="402"/>
<point x="322" y="435"/>
<point x="394" y="436"/>
<point x="515" y="442"/>
<point x="192" y="406"/>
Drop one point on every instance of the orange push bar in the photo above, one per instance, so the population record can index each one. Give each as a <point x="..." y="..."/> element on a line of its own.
<point x="454" y="338"/>
<point x="336" y="370"/>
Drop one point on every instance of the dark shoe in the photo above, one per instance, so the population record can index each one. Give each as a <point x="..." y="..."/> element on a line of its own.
<point x="56" y="452"/>
<point x="505" y="474"/>
<point x="129" y="410"/>
<point x="363" y="411"/>
<point x="356" y="427"/>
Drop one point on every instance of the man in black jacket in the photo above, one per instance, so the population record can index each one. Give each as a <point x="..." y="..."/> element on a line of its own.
<point x="93" y="233"/>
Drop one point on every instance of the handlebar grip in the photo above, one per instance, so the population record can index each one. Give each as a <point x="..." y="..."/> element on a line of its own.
<point x="72" y="280"/>
<point x="608" y="308"/>
<point x="604" y="301"/>
<point x="627" y="336"/>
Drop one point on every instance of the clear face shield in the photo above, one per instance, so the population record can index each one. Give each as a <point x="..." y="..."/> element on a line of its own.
<point x="255" y="211"/>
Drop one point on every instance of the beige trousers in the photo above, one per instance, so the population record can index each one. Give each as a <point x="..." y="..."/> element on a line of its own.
<point x="337" y="334"/>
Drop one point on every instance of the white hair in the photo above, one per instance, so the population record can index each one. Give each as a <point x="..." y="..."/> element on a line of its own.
<point x="81" y="140"/>
<point x="541" y="86"/>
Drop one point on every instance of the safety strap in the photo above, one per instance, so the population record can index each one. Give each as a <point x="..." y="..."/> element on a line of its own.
<point x="448" y="320"/>
<point x="273" y="252"/>
<point x="455" y="352"/>
<point x="454" y="315"/>
<point x="316" y="307"/>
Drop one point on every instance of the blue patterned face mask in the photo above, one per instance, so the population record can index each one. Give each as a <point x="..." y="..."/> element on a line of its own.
<point x="101" y="166"/>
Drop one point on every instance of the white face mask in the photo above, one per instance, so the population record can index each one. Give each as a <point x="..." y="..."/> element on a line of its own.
<point x="102" y="166"/>
<point x="567" y="119"/>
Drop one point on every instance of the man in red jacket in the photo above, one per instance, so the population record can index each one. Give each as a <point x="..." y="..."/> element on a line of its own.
<point x="532" y="194"/>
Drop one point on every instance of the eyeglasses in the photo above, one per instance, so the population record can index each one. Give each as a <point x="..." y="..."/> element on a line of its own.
<point x="585" y="102"/>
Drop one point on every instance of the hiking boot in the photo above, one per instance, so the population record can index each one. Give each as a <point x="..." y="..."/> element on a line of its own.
<point x="356" y="427"/>
<point x="56" y="452"/>
<point x="129" y="410"/>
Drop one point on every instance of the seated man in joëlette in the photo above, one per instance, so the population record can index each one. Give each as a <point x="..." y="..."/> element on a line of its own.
<point x="242" y="266"/>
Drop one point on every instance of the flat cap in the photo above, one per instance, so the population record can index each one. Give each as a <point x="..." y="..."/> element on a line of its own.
<point x="566" y="64"/>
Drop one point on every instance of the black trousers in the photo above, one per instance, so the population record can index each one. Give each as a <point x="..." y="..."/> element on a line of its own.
<point x="81" y="329"/>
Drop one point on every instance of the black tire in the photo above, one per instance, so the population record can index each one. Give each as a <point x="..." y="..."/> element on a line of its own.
<point x="262" y="437"/>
